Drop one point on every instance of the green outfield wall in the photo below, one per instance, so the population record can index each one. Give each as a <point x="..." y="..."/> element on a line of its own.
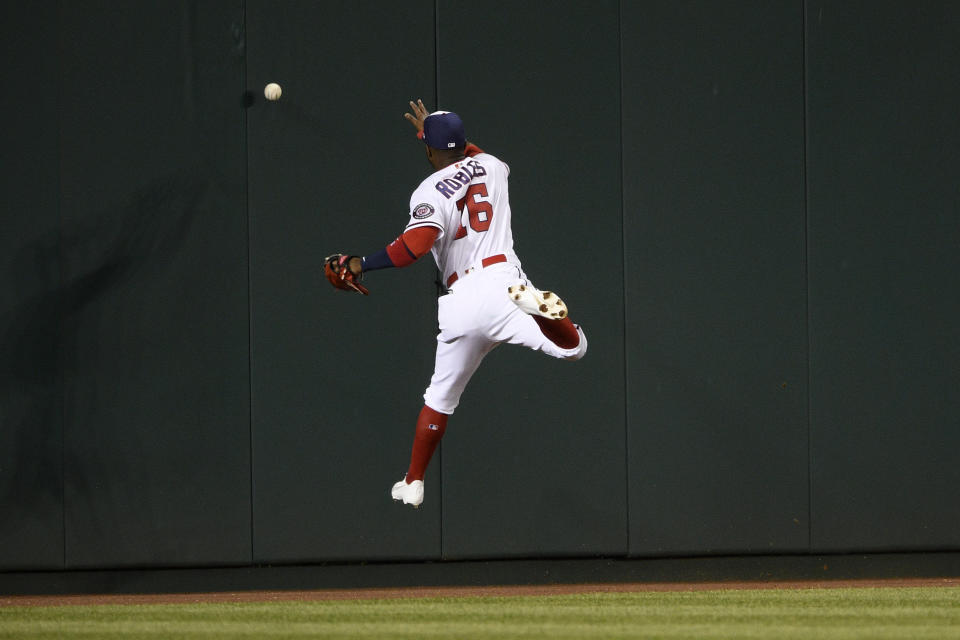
<point x="752" y="207"/>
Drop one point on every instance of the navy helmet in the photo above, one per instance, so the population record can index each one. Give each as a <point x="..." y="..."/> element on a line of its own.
<point x="444" y="130"/>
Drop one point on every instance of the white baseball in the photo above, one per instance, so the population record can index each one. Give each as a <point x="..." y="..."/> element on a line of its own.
<point x="272" y="91"/>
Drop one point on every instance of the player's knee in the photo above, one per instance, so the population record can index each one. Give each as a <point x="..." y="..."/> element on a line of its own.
<point x="580" y="350"/>
<point x="441" y="401"/>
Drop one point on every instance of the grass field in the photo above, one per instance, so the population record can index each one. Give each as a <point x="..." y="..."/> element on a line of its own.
<point x="913" y="612"/>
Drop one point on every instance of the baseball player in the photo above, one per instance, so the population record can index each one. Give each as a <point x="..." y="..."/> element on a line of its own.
<point x="461" y="214"/>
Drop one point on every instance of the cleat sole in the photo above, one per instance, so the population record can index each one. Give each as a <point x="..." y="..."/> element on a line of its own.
<point x="540" y="303"/>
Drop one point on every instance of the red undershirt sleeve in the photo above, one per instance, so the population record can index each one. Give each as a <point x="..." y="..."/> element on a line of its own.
<point x="412" y="245"/>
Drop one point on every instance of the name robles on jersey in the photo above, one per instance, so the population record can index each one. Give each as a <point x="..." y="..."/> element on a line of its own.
<point x="471" y="170"/>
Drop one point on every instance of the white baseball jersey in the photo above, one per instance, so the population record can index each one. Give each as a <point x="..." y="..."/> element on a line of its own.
<point x="468" y="202"/>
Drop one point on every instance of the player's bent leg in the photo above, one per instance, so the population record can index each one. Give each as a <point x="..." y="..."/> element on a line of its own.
<point x="521" y="329"/>
<point x="551" y="315"/>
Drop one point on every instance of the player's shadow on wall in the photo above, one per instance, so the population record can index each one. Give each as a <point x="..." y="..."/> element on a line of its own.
<point x="61" y="274"/>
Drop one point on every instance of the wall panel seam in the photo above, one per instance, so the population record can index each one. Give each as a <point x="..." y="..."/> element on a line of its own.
<point x="246" y="208"/>
<point x="60" y="306"/>
<point x="806" y="266"/>
<point x="623" y="283"/>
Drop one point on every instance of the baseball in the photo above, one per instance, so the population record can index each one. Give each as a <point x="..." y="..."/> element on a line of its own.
<point x="272" y="91"/>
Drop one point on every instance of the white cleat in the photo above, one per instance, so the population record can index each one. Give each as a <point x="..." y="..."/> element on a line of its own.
<point x="411" y="494"/>
<point x="534" y="302"/>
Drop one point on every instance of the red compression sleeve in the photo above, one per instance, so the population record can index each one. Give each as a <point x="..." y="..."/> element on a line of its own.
<point x="562" y="333"/>
<point x="431" y="426"/>
<point x="412" y="245"/>
<point x="471" y="150"/>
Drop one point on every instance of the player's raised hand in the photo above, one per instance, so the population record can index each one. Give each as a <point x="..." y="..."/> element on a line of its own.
<point x="419" y="114"/>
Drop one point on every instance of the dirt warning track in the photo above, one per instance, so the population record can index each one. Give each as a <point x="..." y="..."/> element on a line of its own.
<point x="457" y="592"/>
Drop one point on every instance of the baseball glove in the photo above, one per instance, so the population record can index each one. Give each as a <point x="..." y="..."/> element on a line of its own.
<point x="338" y="272"/>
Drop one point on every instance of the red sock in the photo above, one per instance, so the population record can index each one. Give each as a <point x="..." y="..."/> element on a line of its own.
<point x="560" y="332"/>
<point x="430" y="427"/>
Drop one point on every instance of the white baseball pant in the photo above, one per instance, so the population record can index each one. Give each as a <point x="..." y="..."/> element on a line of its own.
<point x="476" y="316"/>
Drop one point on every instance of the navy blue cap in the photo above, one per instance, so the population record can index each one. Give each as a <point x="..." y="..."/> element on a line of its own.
<point x="444" y="130"/>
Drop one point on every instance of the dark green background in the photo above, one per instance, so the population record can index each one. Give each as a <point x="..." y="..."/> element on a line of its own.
<point x="752" y="208"/>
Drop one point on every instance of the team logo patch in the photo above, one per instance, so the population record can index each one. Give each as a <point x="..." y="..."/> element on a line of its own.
<point x="422" y="211"/>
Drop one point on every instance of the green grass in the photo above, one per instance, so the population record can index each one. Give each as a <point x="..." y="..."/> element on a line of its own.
<point x="914" y="612"/>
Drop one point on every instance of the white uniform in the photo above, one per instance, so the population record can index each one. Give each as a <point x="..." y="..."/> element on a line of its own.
<point x="468" y="202"/>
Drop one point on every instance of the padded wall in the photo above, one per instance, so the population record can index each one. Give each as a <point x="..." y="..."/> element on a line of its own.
<point x="751" y="207"/>
<point x="153" y="293"/>
<point x="715" y="284"/>
<point x="31" y="407"/>
<point x="884" y="147"/>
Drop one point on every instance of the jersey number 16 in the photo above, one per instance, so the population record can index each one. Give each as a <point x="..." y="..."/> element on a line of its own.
<point x="480" y="212"/>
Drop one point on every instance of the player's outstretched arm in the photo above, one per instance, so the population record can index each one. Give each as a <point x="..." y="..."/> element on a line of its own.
<point x="409" y="247"/>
